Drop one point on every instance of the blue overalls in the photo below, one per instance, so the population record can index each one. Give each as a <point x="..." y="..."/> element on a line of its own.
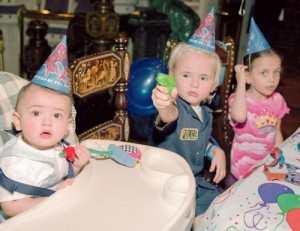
<point x="189" y="136"/>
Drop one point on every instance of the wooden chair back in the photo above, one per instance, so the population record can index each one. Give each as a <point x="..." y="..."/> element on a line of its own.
<point x="222" y="130"/>
<point x="97" y="80"/>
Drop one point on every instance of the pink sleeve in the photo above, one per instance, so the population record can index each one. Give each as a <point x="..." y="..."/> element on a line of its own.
<point x="283" y="109"/>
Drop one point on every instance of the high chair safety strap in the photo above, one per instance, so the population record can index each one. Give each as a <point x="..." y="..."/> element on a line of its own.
<point x="15" y="186"/>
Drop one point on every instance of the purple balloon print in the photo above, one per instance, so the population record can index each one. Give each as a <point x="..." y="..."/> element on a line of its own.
<point x="270" y="191"/>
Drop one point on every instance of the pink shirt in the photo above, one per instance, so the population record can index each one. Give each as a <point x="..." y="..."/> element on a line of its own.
<point x="253" y="138"/>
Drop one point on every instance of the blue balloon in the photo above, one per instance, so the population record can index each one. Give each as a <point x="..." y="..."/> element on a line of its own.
<point x="141" y="83"/>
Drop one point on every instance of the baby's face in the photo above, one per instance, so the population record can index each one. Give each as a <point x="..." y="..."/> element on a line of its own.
<point x="195" y="73"/>
<point x="43" y="117"/>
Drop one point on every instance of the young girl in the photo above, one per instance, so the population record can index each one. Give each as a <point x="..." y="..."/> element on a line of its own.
<point x="183" y="125"/>
<point x="255" y="113"/>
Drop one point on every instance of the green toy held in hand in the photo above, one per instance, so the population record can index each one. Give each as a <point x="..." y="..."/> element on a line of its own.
<point x="166" y="81"/>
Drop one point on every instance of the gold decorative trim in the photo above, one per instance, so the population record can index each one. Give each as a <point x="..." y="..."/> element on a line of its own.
<point x="46" y="15"/>
<point x="95" y="73"/>
<point x="126" y="66"/>
<point x="108" y="131"/>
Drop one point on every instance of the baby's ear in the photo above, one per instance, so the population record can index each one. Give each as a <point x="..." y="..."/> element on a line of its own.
<point x="17" y="121"/>
<point x="69" y="126"/>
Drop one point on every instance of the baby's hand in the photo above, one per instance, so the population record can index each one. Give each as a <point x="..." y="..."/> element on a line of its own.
<point x="160" y="97"/>
<point x="67" y="182"/>
<point x="218" y="163"/>
<point x="82" y="157"/>
<point x="240" y="73"/>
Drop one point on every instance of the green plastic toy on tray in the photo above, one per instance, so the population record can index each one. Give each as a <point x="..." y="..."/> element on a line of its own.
<point x="166" y="81"/>
<point x="112" y="151"/>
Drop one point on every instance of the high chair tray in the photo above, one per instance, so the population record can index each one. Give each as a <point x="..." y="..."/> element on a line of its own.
<point x="157" y="194"/>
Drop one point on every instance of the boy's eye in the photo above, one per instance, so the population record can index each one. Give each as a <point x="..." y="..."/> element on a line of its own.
<point x="264" y="73"/>
<point x="204" y="78"/>
<point x="57" y="115"/>
<point x="186" y="75"/>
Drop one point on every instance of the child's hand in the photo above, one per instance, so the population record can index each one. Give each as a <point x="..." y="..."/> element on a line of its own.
<point x="160" y="97"/>
<point x="82" y="158"/>
<point x="67" y="182"/>
<point x="240" y="73"/>
<point x="218" y="163"/>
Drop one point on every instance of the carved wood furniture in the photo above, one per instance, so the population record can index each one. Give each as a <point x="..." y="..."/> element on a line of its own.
<point x="222" y="130"/>
<point x="37" y="50"/>
<point x="103" y="75"/>
<point x="36" y="25"/>
<point x="98" y="74"/>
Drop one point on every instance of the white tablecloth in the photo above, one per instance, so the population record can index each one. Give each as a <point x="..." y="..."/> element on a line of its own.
<point x="255" y="203"/>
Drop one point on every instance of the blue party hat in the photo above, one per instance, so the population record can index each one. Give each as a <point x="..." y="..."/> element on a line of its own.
<point x="257" y="41"/>
<point x="204" y="36"/>
<point x="54" y="72"/>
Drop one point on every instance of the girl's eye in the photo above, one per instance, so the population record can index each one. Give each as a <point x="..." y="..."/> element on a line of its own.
<point x="277" y="73"/>
<point x="264" y="73"/>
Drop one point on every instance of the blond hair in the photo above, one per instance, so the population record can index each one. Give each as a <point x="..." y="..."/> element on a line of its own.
<point x="182" y="48"/>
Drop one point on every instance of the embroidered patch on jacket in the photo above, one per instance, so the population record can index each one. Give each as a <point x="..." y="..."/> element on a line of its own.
<point x="189" y="134"/>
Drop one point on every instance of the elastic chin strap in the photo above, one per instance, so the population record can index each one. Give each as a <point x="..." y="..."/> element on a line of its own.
<point x="241" y="10"/>
<point x="249" y="63"/>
